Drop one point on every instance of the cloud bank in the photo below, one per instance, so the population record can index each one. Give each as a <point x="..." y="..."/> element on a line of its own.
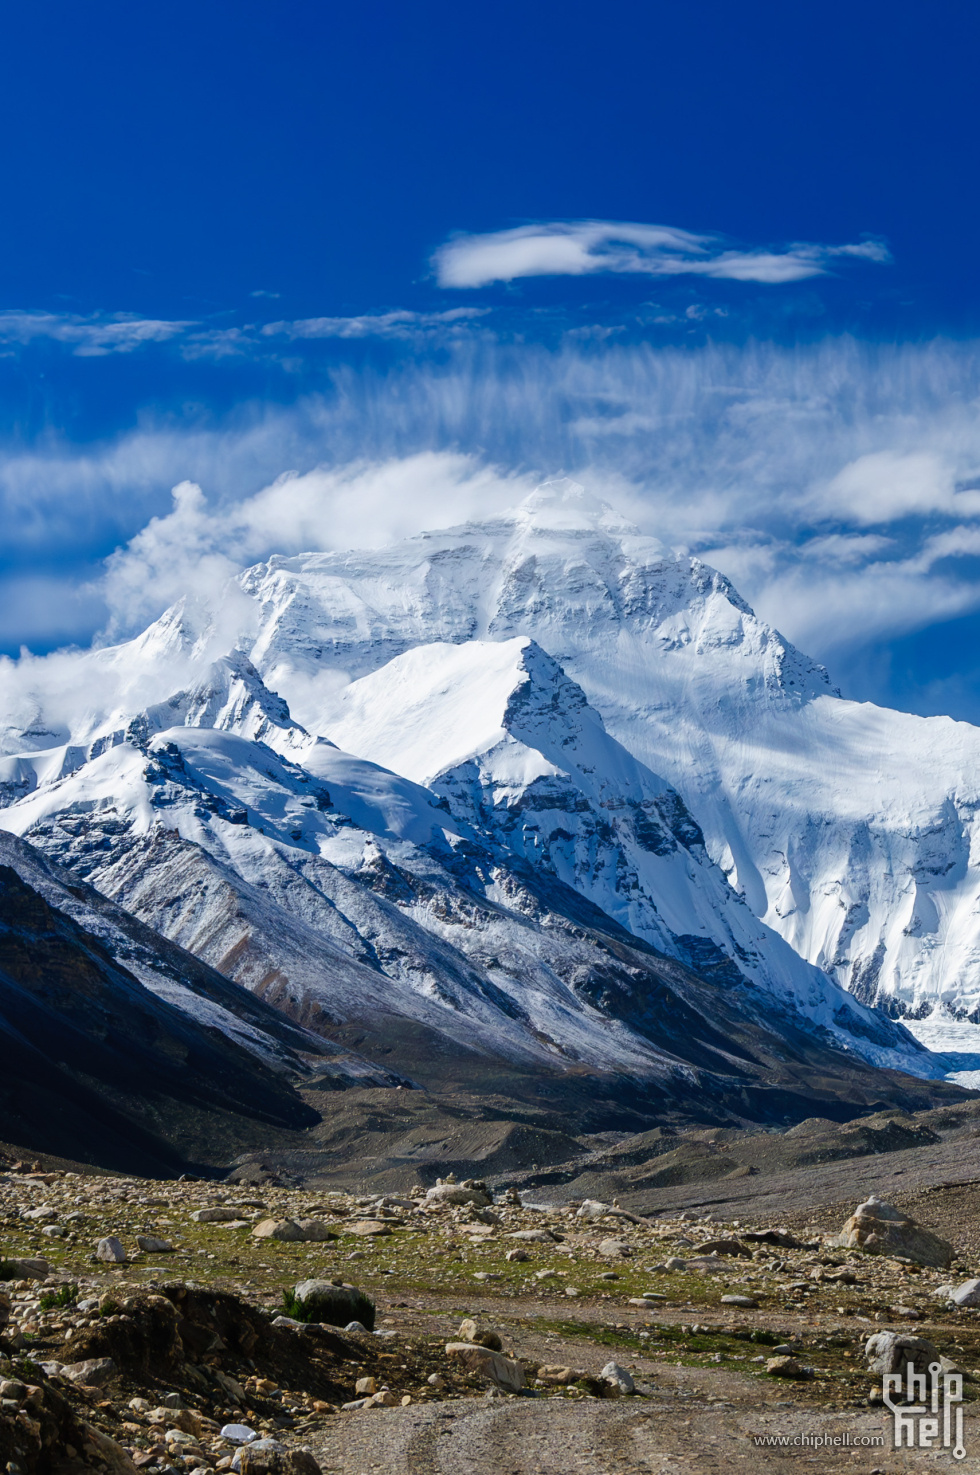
<point x="585" y="247"/>
<point x="837" y="484"/>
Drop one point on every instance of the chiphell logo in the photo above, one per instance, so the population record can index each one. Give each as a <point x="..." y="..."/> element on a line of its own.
<point x="930" y="1414"/>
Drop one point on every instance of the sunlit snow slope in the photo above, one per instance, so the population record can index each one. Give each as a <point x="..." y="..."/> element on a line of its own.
<point x="850" y="829"/>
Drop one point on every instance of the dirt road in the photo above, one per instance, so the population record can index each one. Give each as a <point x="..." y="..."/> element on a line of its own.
<point x="695" y="1420"/>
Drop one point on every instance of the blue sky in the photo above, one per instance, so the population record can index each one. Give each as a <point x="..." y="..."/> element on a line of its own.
<point x="717" y="262"/>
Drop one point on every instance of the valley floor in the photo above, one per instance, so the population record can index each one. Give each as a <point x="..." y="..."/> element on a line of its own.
<point x="580" y="1293"/>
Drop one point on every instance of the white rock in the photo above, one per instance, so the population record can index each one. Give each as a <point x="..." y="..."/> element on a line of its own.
<point x="618" y="1376"/>
<point x="112" y="1250"/>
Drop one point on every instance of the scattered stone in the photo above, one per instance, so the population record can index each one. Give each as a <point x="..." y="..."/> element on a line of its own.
<point x="452" y="1193"/>
<point x="29" y="1269"/>
<point x="612" y="1373"/>
<point x="337" y="1305"/>
<point x="111" y="1250"/>
<point x="503" y="1372"/>
<point x="153" y="1246"/>
<point x="712" y="1264"/>
<point x="724" y="1247"/>
<point x="787" y="1367"/>
<point x="214" y="1216"/>
<point x="966" y="1294"/>
<point x="515" y="1257"/>
<point x="534" y="1236"/>
<point x="367" y="1227"/>
<point x="293" y="1231"/>
<point x="615" y="1248"/>
<point x="478" y="1332"/>
<point x="880" y="1229"/>
<point x="93" y="1372"/>
<point x="779" y="1237"/>
<point x="748" y="1302"/>
<point x="894" y="1352"/>
<point x="238" y="1433"/>
<point x="366" y="1387"/>
<point x="675" y="1264"/>
<point x="559" y="1377"/>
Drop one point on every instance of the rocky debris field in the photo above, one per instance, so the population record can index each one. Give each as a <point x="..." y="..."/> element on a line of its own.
<point x="187" y="1326"/>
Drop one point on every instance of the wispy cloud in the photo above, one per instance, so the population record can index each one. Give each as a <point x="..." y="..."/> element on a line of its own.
<point x="836" y="483"/>
<point x="99" y="334"/>
<point x="89" y="337"/>
<point x="399" y="324"/>
<point x="585" y="247"/>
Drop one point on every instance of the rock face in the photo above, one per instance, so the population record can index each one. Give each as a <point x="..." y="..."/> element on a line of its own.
<point x="338" y="1305"/>
<point x="880" y="1229"/>
<point x="893" y="1352"/>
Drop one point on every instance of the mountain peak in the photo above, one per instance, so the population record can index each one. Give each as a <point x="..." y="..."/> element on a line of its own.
<point x="564" y="505"/>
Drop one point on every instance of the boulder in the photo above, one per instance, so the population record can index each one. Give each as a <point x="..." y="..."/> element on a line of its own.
<point x="894" y="1352"/>
<point x="724" y="1247"/>
<point x="558" y="1376"/>
<point x="293" y="1231"/>
<point x="503" y="1372"/>
<point x="153" y="1246"/>
<point x="456" y="1193"/>
<point x="614" y="1249"/>
<point x="337" y="1305"/>
<point x="787" y="1367"/>
<point x="880" y="1229"/>
<point x="216" y="1215"/>
<point x="315" y="1230"/>
<point x="93" y="1372"/>
<point x="618" y="1377"/>
<point x="967" y="1294"/>
<point x="111" y="1250"/>
<point x="593" y="1209"/>
<point x="675" y="1264"/>
<point x="30" y="1269"/>
<point x="368" y="1227"/>
<point x="780" y="1237"/>
<point x="471" y="1330"/>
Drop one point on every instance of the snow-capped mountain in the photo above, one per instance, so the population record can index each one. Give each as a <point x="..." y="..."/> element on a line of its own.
<point x="849" y="829"/>
<point x="443" y="786"/>
<point x="345" y="893"/>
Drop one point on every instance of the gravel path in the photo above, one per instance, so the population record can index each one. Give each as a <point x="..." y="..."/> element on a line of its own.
<point x="701" y="1422"/>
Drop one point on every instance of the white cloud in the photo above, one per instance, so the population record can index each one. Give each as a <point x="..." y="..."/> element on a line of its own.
<point x="196" y="548"/>
<point x="884" y="485"/>
<point x="832" y="482"/>
<point x="583" y="247"/>
<point x="398" y="324"/>
<point x="89" y="337"/>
